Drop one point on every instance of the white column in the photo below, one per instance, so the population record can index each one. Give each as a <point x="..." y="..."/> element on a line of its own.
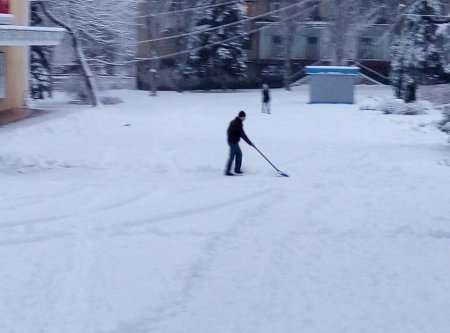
<point x="27" y="99"/>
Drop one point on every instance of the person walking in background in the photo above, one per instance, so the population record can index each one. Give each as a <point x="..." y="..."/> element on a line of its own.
<point x="265" y="98"/>
<point x="234" y="134"/>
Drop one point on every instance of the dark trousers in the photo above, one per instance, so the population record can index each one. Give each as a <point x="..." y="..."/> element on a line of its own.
<point x="235" y="154"/>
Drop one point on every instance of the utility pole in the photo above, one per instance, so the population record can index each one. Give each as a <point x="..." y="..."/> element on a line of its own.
<point x="152" y="27"/>
<point x="181" y="45"/>
<point x="289" y="29"/>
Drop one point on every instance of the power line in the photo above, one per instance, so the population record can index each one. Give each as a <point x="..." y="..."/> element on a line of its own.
<point x="436" y="16"/>
<point x="190" y="9"/>
<point x="225" y="25"/>
<point x="171" y="55"/>
<point x="390" y="31"/>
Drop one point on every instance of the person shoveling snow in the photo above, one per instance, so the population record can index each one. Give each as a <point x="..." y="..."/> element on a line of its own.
<point x="234" y="133"/>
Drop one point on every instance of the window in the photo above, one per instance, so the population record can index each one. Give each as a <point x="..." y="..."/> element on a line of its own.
<point x="383" y="16"/>
<point x="314" y="14"/>
<point x="312" y="40"/>
<point x="277" y="46"/>
<point x="366" y="48"/>
<point x="4" y="6"/>
<point x="168" y="25"/>
<point x="275" y="5"/>
<point x="247" y="45"/>
<point x="277" y="40"/>
<point x="312" y="48"/>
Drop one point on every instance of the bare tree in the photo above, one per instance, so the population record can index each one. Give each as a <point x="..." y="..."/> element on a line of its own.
<point x="289" y="22"/>
<point x="106" y="29"/>
<point x="81" y="59"/>
<point x="101" y="38"/>
<point x="348" y="19"/>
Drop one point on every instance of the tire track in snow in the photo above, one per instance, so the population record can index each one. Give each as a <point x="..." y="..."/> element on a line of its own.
<point x="7" y="241"/>
<point x="67" y="217"/>
<point x="194" y="211"/>
<point x="270" y="251"/>
<point x="96" y="214"/>
<point x="198" y="270"/>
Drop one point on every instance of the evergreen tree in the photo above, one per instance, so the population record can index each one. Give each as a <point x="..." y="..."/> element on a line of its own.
<point x="417" y="54"/>
<point x="40" y="69"/>
<point x="226" y="58"/>
<point x="41" y="78"/>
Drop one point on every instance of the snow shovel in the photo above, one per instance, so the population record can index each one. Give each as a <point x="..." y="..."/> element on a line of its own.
<point x="281" y="173"/>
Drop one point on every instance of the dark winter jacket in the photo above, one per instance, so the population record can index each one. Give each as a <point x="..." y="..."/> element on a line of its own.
<point x="236" y="131"/>
<point x="266" y="95"/>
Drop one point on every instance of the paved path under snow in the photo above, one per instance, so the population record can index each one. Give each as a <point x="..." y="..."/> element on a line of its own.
<point x="108" y="228"/>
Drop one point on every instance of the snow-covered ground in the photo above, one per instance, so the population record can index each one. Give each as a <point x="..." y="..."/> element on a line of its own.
<point x="119" y="219"/>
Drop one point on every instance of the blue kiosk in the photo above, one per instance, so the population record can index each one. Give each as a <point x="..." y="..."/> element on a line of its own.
<point x="332" y="84"/>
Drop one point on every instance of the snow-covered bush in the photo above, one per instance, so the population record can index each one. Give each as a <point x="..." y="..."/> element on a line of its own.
<point x="445" y="124"/>
<point x="437" y="93"/>
<point x="76" y="88"/>
<point x="395" y="106"/>
<point x="398" y="106"/>
<point x="446" y="127"/>
<point x="370" y="104"/>
<point x="447" y="69"/>
<point x="111" y="100"/>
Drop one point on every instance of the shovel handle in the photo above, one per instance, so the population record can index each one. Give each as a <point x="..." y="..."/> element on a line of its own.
<point x="273" y="166"/>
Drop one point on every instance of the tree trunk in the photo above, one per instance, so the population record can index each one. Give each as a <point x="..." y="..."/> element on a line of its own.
<point x="153" y="27"/>
<point x="339" y="30"/>
<point x="410" y="93"/>
<point x="289" y="28"/>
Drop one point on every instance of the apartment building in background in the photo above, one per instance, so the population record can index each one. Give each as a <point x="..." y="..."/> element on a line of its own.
<point x="311" y="43"/>
<point x="312" y="36"/>
<point x="15" y="38"/>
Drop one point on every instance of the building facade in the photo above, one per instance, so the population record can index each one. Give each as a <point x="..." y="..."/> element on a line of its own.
<point x="312" y="36"/>
<point x="366" y="36"/>
<point x="15" y="38"/>
<point x="315" y="37"/>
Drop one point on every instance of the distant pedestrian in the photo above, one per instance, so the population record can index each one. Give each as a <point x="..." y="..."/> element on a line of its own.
<point x="234" y="134"/>
<point x="265" y="99"/>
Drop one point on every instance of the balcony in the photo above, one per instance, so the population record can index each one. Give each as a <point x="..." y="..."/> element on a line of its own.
<point x="13" y="35"/>
<point x="22" y="35"/>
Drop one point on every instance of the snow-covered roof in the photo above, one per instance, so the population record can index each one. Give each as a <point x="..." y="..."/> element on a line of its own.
<point x="336" y="70"/>
<point x="16" y="35"/>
